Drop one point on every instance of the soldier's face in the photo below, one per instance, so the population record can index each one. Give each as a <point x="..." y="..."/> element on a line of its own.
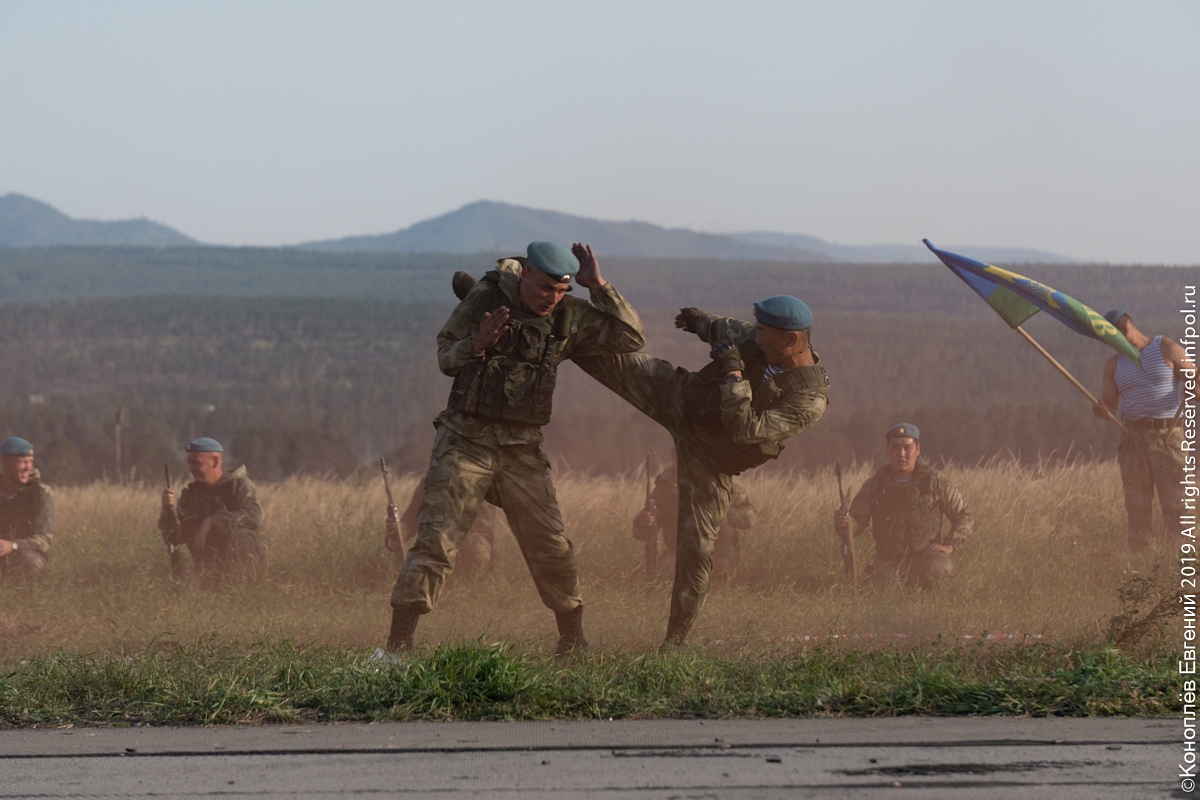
<point x="902" y="454"/>
<point x="205" y="467"/>
<point x="777" y="344"/>
<point x="539" y="292"/>
<point x="19" y="468"/>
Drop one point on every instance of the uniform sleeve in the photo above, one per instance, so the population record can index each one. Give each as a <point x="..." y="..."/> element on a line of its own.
<point x="607" y="325"/>
<point x="747" y="426"/>
<point x="712" y="328"/>
<point x="248" y="513"/>
<point x="863" y="506"/>
<point x="454" y="340"/>
<point x="41" y="527"/>
<point x="166" y="522"/>
<point x="954" y="507"/>
<point x="742" y="514"/>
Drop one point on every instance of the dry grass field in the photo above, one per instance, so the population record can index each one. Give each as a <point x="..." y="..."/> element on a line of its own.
<point x="1047" y="558"/>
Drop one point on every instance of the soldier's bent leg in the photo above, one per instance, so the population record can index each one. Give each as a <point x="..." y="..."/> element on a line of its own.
<point x="530" y="504"/>
<point x="649" y="384"/>
<point x="704" y="498"/>
<point x="248" y="553"/>
<point x="460" y="473"/>
<point x="1138" y="484"/>
<point x="931" y="569"/>
<point x="23" y="564"/>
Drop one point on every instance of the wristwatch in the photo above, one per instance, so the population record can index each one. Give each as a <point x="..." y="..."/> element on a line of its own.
<point x="15" y="546"/>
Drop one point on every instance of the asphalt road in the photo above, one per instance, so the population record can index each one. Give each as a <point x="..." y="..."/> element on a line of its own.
<point x="915" y="757"/>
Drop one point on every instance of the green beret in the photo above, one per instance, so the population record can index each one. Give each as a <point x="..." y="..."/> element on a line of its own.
<point x="15" y="446"/>
<point x="902" y="430"/>
<point x="784" y="312"/>
<point x="204" y="445"/>
<point x="553" y="259"/>
<point x="1115" y="315"/>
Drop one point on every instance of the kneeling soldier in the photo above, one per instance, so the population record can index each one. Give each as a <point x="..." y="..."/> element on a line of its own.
<point x="904" y="503"/>
<point x="218" y="516"/>
<point x="26" y="512"/>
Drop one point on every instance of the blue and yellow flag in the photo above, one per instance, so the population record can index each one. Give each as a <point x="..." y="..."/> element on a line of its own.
<point x="1017" y="298"/>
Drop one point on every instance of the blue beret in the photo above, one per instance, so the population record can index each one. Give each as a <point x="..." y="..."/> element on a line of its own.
<point x="553" y="259"/>
<point x="204" y="445"/>
<point x="783" y="311"/>
<point x="1115" y="315"/>
<point x="902" y="430"/>
<point x="15" y="446"/>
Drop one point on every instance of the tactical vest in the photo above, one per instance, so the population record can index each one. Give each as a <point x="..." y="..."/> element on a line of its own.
<point x="906" y="517"/>
<point x="702" y="404"/>
<point x="514" y="380"/>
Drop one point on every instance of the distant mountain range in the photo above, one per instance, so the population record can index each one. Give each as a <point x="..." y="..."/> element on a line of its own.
<point x="491" y="227"/>
<point x="486" y="226"/>
<point x="25" y="222"/>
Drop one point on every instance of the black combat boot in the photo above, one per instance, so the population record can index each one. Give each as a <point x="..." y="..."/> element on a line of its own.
<point x="570" y="633"/>
<point x="404" y="627"/>
<point x="677" y="633"/>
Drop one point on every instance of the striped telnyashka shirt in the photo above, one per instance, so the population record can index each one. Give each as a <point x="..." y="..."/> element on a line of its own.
<point x="1151" y="392"/>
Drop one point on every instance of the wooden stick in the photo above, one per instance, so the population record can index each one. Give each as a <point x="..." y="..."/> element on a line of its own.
<point x="1069" y="376"/>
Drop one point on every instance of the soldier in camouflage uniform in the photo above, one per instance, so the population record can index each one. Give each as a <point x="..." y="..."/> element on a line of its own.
<point x="657" y="527"/>
<point x="903" y="503"/>
<point x="502" y="345"/>
<point x="218" y="517"/>
<point x="764" y="384"/>
<point x="26" y="512"/>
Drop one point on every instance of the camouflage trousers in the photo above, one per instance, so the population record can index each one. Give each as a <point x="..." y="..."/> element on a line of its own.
<point x="655" y="387"/>
<point x="23" y="564"/>
<point x="1148" y="464"/>
<point x="461" y="473"/>
<point x="925" y="571"/>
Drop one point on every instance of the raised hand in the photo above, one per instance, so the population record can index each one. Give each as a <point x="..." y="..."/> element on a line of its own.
<point x="491" y="328"/>
<point x="589" y="267"/>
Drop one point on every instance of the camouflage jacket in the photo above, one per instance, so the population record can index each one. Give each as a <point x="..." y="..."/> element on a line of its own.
<point x="606" y="325"/>
<point x="906" y="516"/>
<point x="758" y="411"/>
<point x="231" y="502"/>
<point x="27" y="515"/>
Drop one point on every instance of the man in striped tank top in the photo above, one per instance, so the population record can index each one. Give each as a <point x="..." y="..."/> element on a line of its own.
<point x="1150" y="455"/>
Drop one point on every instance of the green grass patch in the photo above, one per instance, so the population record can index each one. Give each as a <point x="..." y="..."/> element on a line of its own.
<point x="222" y="682"/>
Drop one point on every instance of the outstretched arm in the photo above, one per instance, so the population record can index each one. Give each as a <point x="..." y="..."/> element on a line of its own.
<point x="714" y="328"/>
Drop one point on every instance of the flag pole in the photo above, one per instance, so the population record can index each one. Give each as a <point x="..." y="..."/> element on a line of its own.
<point x="1069" y="376"/>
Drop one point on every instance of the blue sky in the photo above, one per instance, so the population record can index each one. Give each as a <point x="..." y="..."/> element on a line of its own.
<point x="1066" y="126"/>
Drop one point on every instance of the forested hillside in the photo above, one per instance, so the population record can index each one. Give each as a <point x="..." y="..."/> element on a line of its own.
<point x="324" y="384"/>
<point x="56" y="273"/>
